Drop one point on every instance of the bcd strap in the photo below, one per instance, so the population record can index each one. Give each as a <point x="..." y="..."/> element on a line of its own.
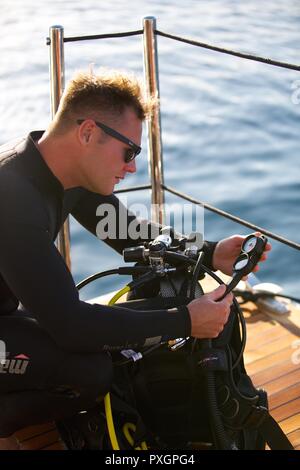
<point x="273" y="434"/>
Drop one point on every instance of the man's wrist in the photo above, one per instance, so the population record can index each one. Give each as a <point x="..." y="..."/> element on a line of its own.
<point x="208" y="250"/>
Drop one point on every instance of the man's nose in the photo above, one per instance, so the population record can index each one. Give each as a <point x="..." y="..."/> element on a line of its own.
<point x="131" y="166"/>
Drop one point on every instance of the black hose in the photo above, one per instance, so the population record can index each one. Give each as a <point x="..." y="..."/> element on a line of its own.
<point x="122" y="271"/>
<point x="92" y="278"/>
<point x="217" y="426"/>
<point x="239" y="312"/>
<point x="195" y="277"/>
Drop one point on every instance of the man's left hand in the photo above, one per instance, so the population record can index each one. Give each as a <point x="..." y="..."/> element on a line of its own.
<point x="228" y="249"/>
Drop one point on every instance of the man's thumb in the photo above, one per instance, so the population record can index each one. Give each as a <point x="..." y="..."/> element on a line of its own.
<point x="218" y="292"/>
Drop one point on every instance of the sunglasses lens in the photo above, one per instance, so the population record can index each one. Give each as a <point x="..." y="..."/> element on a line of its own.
<point x="129" y="155"/>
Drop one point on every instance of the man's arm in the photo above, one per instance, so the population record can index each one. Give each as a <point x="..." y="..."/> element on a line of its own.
<point x="37" y="275"/>
<point x="124" y="224"/>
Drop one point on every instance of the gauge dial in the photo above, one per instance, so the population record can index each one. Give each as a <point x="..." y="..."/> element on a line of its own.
<point x="241" y="262"/>
<point x="249" y="244"/>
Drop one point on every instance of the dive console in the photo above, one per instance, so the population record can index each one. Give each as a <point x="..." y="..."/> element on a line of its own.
<point x="252" y="248"/>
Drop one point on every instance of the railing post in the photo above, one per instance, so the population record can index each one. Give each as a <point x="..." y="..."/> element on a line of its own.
<point x="57" y="84"/>
<point x="154" y="122"/>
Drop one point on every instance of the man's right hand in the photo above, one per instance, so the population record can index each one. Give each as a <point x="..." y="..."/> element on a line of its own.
<point x="208" y="316"/>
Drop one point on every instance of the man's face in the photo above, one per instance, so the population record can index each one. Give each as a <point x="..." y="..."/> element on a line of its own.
<point x="103" y="164"/>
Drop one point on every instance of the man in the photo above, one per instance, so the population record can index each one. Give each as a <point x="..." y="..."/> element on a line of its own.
<point x="56" y="361"/>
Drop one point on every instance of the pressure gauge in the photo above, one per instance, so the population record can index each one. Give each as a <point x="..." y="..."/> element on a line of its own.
<point x="249" y="243"/>
<point x="251" y="252"/>
<point x="241" y="262"/>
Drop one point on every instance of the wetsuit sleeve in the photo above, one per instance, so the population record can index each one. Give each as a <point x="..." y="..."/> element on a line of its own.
<point x="94" y="211"/>
<point x="37" y="275"/>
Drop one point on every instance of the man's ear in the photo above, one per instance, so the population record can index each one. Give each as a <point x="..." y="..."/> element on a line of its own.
<point x="85" y="132"/>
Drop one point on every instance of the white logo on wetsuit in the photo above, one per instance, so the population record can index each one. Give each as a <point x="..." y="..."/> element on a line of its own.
<point x="17" y="365"/>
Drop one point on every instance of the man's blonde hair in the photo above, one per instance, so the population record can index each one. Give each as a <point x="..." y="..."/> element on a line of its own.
<point x="104" y="96"/>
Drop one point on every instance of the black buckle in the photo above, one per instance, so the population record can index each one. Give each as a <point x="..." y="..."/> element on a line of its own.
<point x="256" y="417"/>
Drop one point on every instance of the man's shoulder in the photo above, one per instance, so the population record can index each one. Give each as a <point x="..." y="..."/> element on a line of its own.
<point x="19" y="196"/>
<point x="10" y="149"/>
<point x="12" y="176"/>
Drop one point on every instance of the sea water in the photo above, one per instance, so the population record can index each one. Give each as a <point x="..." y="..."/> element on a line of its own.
<point x="230" y="127"/>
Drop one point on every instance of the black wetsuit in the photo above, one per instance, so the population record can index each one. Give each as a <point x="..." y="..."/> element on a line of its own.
<point x="54" y="340"/>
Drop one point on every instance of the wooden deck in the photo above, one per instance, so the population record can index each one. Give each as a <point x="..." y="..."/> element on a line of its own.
<point x="272" y="359"/>
<point x="41" y="437"/>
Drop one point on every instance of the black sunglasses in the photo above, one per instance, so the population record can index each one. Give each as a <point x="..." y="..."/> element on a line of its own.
<point x="131" y="153"/>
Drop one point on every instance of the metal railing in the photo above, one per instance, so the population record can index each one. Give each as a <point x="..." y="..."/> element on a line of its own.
<point x="155" y="155"/>
<point x="57" y="85"/>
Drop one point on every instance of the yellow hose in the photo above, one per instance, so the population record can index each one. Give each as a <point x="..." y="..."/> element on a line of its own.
<point x="130" y="427"/>
<point x="107" y="403"/>
<point x="119" y="294"/>
<point x="110" y="423"/>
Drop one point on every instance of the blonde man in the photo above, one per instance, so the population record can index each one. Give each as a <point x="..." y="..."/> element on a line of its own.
<point x="59" y="340"/>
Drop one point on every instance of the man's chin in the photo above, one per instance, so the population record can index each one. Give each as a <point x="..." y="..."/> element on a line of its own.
<point x="102" y="190"/>
<point x="106" y="191"/>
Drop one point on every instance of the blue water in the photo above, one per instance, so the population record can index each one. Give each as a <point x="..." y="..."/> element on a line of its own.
<point x="230" y="126"/>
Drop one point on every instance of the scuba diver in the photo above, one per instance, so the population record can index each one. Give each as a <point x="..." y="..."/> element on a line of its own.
<point x="58" y="358"/>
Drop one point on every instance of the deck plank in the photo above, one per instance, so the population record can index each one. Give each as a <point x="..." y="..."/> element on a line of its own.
<point x="263" y="351"/>
<point x="264" y="338"/>
<point x="44" y="436"/>
<point x="295" y="437"/>
<point x="281" y="383"/>
<point x="291" y="424"/>
<point x="41" y="441"/>
<point x="9" y="443"/>
<point x="278" y="370"/>
<point x="275" y="358"/>
<point x="33" y="431"/>
<point x="286" y="410"/>
<point x="284" y="396"/>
